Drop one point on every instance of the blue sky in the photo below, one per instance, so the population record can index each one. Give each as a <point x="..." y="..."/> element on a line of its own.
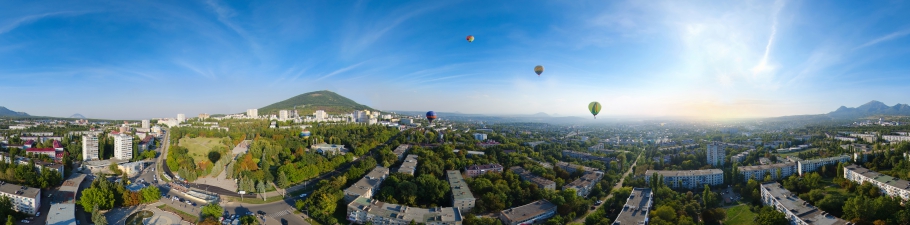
<point x="706" y="59"/>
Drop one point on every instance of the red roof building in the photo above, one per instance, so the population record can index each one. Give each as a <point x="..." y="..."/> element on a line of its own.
<point x="58" y="146"/>
<point x="50" y="152"/>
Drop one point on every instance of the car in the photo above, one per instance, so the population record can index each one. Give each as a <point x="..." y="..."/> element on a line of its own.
<point x="194" y="204"/>
<point x="303" y="195"/>
<point x="261" y="212"/>
<point x="49" y="195"/>
<point x="77" y="222"/>
<point x="249" y="213"/>
<point x="26" y="221"/>
<point x="38" y="214"/>
<point x="593" y="207"/>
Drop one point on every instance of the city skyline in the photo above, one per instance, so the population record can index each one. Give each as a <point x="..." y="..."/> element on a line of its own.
<point x="115" y="60"/>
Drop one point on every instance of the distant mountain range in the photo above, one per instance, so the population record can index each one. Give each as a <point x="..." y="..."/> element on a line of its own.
<point x="77" y="116"/>
<point x="873" y="108"/>
<point x="307" y="103"/>
<point x="6" y="112"/>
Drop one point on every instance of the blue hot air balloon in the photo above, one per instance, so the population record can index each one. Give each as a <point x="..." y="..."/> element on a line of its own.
<point x="431" y="116"/>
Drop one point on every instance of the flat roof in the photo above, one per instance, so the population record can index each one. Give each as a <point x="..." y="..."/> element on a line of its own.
<point x="19" y="190"/>
<point x="530" y="210"/>
<point x="405" y="213"/>
<point x="368" y="181"/>
<point x="765" y="167"/>
<point x="636" y="207"/>
<point x="401" y="149"/>
<point x="585" y="180"/>
<point x="409" y="164"/>
<point x="800" y="208"/>
<point x="527" y="175"/>
<point x="677" y="173"/>
<point x="826" y="159"/>
<point x="889" y="180"/>
<point x="71" y="184"/>
<point x="572" y="165"/>
<point x="62" y="214"/>
<point x="484" y="167"/>
<point x="460" y="189"/>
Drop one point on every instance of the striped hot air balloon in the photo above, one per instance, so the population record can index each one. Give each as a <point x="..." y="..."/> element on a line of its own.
<point x="538" y="69"/>
<point x="594" y="108"/>
<point x="431" y="116"/>
<point x="470" y="38"/>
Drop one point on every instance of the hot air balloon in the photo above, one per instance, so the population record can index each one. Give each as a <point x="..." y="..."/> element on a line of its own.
<point x="594" y="107"/>
<point x="538" y="69"/>
<point x="431" y="116"/>
<point x="470" y="38"/>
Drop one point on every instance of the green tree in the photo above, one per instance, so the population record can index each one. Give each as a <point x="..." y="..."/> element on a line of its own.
<point x="212" y="210"/>
<point x="150" y="194"/>
<point x="97" y="197"/>
<point x="283" y="180"/>
<point x="97" y="217"/>
<point x="769" y="216"/>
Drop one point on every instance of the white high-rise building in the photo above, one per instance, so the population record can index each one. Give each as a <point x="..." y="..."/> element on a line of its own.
<point x="146" y="124"/>
<point x="320" y="115"/>
<point x="123" y="147"/>
<point x="282" y="115"/>
<point x="181" y="118"/>
<point x="89" y="147"/>
<point x="716" y="154"/>
<point x="252" y="113"/>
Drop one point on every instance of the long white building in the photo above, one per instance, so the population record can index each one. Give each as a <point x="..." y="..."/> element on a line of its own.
<point x="89" y="147"/>
<point x="887" y="184"/>
<point x="759" y="172"/>
<point x="812" y="165"/>
<point x="715" y="154"/>
<point x="123" y="147"/>
<point x="252" y="113"/>
<point x="689" y="179"/>
<point x="25" y="199"/>
<point x="636" y="209"/>
<point x="799" y="212"/>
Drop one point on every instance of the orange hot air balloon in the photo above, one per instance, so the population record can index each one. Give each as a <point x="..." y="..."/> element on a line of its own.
<point x="470" y="38"/>
<point x="538" y="69"/>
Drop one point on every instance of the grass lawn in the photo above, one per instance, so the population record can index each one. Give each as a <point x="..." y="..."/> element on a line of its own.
<point x="740" y="215"/>
<point x="795" y="153"/>
<point x="199" y="147"/>
<point x="183" y="215"/>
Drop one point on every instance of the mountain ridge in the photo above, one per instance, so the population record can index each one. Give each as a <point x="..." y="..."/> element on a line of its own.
<point x="309" y="102"/>
<point x="871" y="108"/>
<point x="7" y="112"/>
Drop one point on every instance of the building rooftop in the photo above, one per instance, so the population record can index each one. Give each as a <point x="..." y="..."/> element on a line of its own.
<point x="401" y="149"/>
<point x="636" y="209"/>
<point x="41" y="150"/>
<point x="62" y="214"/>
<point x="527" y="175"/>
<point x="405" y="213"/>
<point x="800" y="208"/>
<point x="572" y="165"/>
<point x="484" y="167"/>
<point x="765" y="167"/>
<point x="71" y="184"/>
<point x="371" y="180"/>
<point x="826" y="159"/>
<point x="676" y="173"/>
<point x="531" y="210"/>
<point x="19" y="190"/>
<point x="460" y="188"/>
<point x="585" y="180"/>
<point x="889" y="180"/>
<point x="409" y="164"/>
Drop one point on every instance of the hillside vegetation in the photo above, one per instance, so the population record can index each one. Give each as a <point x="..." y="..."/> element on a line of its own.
<point x="308" y="103"/>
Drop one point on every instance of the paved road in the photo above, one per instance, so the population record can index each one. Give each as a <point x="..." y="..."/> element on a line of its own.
<point x="617" y="186"/>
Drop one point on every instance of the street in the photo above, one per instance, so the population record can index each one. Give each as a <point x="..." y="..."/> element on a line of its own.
<point x="617" y="186"/>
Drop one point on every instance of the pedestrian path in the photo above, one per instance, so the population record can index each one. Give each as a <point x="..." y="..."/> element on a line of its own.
<point x="281" y="213"/>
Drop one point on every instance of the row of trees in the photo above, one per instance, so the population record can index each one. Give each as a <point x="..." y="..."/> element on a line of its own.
<point x="106" y="195"/>
<point x="29" y="175"/>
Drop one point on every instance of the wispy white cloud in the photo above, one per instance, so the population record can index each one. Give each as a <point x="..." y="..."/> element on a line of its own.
<point x="32" y="18"/>
<point x="340" y="71"/>
<point x="204" y="73"/>
<point x="888" y="37"/>
<point x="763" y="66"/>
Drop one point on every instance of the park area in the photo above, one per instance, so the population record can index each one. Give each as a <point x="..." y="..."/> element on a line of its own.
<point x="740" y="214"/>
<point x="199" y="147"/>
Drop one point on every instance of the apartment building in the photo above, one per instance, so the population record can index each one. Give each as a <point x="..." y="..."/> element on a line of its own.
<point x="584" y="156"/>
<point x="409" y="166"/>
<point x="584" y="184"/>
<point x="571" y="167"/>
<point x="715" y="154"/>
<point x="528" y="176"/>
<point x="806" y="166"/>
<point x="368" y="185"/>
<point x="889" y="185"/>
<point x="462" y="198"/>
<point x="689" y="179"/>
<point x="123" y="147"/>
<point x="477" y="170"/>
<point x="636" y="209"/>
<point x="365" y="210"/>
<point x="760" y="171"/>
<point x="25" y="199"/>
<point x="533" y="213"/>
<point x="799" y="212"/>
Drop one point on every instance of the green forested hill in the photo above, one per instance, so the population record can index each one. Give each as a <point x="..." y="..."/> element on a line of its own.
<point x="308" y="103"/>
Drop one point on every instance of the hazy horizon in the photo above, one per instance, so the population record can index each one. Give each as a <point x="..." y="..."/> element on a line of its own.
<point x="711" y="60"/>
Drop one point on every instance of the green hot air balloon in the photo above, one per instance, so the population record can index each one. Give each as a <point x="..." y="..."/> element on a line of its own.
<point x="594" y="107"/>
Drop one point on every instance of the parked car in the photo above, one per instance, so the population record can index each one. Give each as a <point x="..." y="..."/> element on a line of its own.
<point x="303" y="195"/>
<point x="38" y="214"/>
<point x="26" y="221"/>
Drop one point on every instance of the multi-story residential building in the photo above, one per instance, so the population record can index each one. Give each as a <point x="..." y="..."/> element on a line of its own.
<point x="715" y="154"/>
<point x="181" y="118"/>
<point x="585" y="183"/>
<point x="738" y="158"/>
<point x="409" y="165"/>
<point x="146" y="143"/>
<point x="806" y="166"/>
<point x="571" y="167"/>
<point x="328" y="149"/>
<point x="252" y="113"/>
<point x="368" y="185"/>
<point x="799" y="212"/>
<point x="477" y="170"/>
<point x="528" y="176"/>
<point x="584" y="156"/>
<point x="759" y="172"/>
<point x="39" y="165"/>
<point x="123" y="147"/>
<point x="320" y="115"/>
<point x="636" y="209"/>
<point x="49" y="152"/>
<point x="400" y="150"/>
<point x="25" y="199"/>
<point x="866" y="137"/>
<point x="204" y="116"/>
<point x="535" y="212"/>
<point x="363" y="210"/>
<point x="462" y="198"/>
<point x="146" y="124"/>
<point x="58" y="146"/>
<point x="896" y="138"/>
<point x="889" y="185"/>
<point x="689" y="179"/>
<point x="480" y="136"/>
<point x="282" y="115"/>
<point x="89" y="147"/>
